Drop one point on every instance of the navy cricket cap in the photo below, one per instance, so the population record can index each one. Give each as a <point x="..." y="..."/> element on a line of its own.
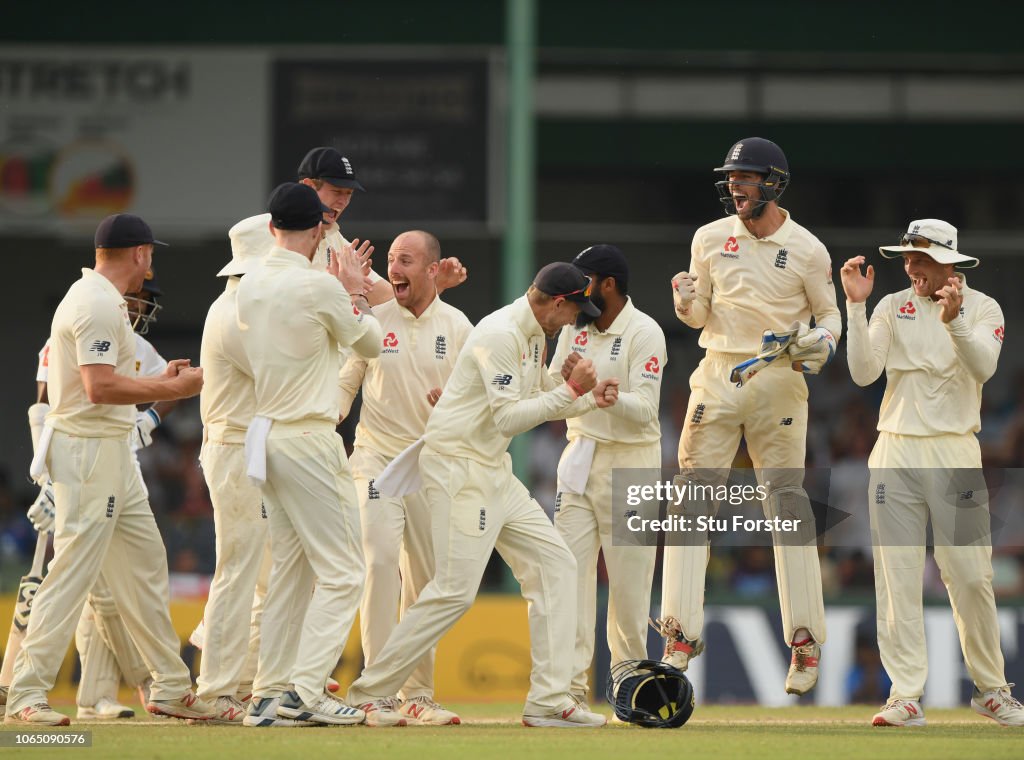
<point x="568" y="281"/>
<point x="330" y="166"/>
<point x="604" y="260"/>
<point x="295" y="207"/>
<point x="124" y="231"/>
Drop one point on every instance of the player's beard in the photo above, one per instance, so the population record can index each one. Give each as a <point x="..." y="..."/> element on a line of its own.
<point x="583" y="319"/>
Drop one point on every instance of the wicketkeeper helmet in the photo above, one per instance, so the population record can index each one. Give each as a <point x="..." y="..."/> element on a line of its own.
<point x="142" y="310"/>
<point x="755" y="154"/>
<point x="649" y="693"/>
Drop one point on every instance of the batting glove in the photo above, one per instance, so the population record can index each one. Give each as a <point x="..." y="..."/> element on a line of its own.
<point x="41" y="513"/>
<point x="812" y="350"/>
<point x="683" y="292"/>
<point x="145" y="424"/>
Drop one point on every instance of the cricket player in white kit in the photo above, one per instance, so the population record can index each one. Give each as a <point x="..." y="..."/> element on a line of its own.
<point x="938" y="341"/>
<point x="292" y="319"/>
<point x="227" y="405"/>
<point x="105" y="648"/>
<point x="423" y="335"/>
<point x="625" y="344"/>
<point x="499" y="388"/>
<point x="103" y="519"/>
<point x="756" y="269"/>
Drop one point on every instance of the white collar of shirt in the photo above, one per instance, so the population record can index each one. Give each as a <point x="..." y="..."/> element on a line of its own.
<point x="427" y="312"/>
<point x="103" y="282"/>
<point x="780" y="236"/>
<point x="282" y="256"/>
<point x="618" y="325"/>
<point x="525" y="319"/>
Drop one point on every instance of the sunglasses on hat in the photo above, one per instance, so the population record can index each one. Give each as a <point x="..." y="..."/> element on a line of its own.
<point x="585" y="291"/>
<point x="920" y="241"/>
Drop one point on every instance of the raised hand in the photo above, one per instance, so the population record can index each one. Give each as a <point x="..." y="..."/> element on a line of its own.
<point x="684" y="292"/>
<point x="450" y="273"/>
<point x="856" y="286"/>
<point x="951" y="298"/>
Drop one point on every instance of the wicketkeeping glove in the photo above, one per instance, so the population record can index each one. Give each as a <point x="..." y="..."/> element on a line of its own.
<point x="812" y="349"/>
<point x="41" y="513"/>
<point x="145" y="424"/>
<point x="773" y="345"/>
<point x="683" y="292"/>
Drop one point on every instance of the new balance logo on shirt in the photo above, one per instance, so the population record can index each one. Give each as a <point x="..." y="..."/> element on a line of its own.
<point x="100" y="346"/>
<point x="501" y="381"/>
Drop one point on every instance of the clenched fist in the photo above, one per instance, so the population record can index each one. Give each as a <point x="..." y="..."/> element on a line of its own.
<point x="584" y="376"/>
<point x="606" y="393"/>
<point x="569" y="363"/>
<point x="684" y="292"/>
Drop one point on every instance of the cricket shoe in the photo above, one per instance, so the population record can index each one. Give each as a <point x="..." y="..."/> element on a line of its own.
<point x="39" y="714"/>
<point x="262" y="713"/>
<point x="572" y="715"/>
<point x="229" y="711"/>
<point x="679" y="650"/>
<point x="187" y="706"/>
<point x="900" y="712"/>
<point x="104" y="709"/>
<point x="326" y="709"/>
<point x="803" y="668"/>
<point x="424" y="711"/>
<point x="383" y="712"/>
<point x="999" y="705"/>
<point x="143" y="690"/>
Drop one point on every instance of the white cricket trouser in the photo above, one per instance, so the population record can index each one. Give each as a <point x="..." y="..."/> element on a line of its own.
<point x="103" y="522"/>
<point x="317" y="578"/>
<point x="770" y="411"/>
<point x="399" y="555"/>
<point x="914" y="478"/>
<point x="259" y="599"/>
<point x="476" y="508"/>
<point x="241" y="526"/>
<point x="585" y="523"/>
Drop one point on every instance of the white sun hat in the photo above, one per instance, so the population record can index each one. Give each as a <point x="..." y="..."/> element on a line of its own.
<point x="933" y="237"/>
<point x="250" y="242"/>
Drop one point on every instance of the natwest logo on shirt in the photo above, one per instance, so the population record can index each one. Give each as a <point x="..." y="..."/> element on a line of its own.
<point x="999" y="333"/>
<point x="907" y="311"/>
<point x="581" y="339"/>
<point x="652" y="368"/>
<point x="390" y="344"/>
<point x="731" y="248"/>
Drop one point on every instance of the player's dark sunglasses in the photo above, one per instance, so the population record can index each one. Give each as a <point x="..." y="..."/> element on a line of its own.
<point x="920" y="241"/>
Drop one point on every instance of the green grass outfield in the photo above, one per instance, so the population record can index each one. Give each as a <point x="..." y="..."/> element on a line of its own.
<point x="494" y="731"/>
